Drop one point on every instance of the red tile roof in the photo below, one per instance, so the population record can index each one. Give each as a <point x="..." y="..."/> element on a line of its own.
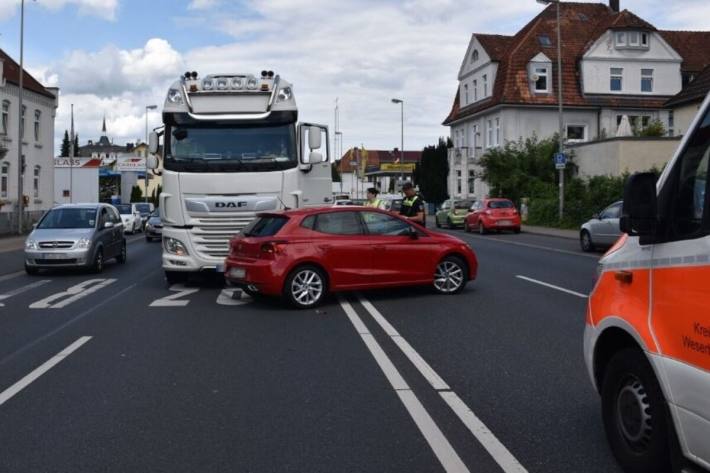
<point x="375" y="157"/>
<point x="696" y="91"/>
<point x="693" y="47"/>
<point x="11" y="73"/>
<point x="582" y="25"/>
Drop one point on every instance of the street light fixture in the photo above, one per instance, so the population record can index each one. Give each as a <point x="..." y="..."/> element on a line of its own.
<point x="147" y="107"/>
<point x="401" y="150"/>
<point x="559" y="100"/>
<point x="338" y="150"/>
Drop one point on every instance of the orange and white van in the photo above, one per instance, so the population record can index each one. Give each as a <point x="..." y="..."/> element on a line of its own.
<point x="647" y="337"/>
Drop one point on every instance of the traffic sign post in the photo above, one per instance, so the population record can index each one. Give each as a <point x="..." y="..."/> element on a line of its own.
<point x="560" y="165"/>
<point x="560" y="161"/>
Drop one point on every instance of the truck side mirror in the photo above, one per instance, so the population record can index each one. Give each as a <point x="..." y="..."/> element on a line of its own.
<point x="151" y="162"/>
<point x="314" y="139"/>
<point x="314" y="157"/>
<point x="639" y="216"/>
<point x="153" y="143"/>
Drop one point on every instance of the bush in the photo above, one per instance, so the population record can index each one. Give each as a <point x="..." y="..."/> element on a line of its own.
<point x="654" y="128"/>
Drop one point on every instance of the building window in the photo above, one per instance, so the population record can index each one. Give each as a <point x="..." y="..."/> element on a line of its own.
<point x="621" y="38"/>
<point x="671" y="122"/>
<point x="541" y="81"/>
<point x="475" y="90"/>
<point x="617" y="76"/>
<point x="4" y="171"/>
<point x="476" y="136"/>
<point x="38" y="115"/>
<point x="576" y="132"/>
<point x="489" y="142"/>
<point x="22" y="122"/>
<point x="5" y="116"/>
<point x="471" y="182"/>
<point x="465" y="89"/>
<point x="474" y="56"/>
<point x="646" y="80"/>
<point x="458" y="182"/>
<point x="35" y="182"/>
<point x="485" y="85"/>
<point x="544" y="41"/>
<point x="634" y="39"/>
<point x="644" y="39"/>
<point x="497" y="131"/>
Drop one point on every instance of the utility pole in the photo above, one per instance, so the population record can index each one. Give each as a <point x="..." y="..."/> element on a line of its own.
<point x="71" y="158"/>
<point x="401" y="151"/>
<point x="20" y="128"/>
<point x="561" y="109"/>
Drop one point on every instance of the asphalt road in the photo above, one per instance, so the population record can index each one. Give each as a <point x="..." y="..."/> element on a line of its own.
<point x="118" y="372"/>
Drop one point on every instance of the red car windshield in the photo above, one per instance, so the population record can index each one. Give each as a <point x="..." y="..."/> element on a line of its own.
<point x="265" y="226"/>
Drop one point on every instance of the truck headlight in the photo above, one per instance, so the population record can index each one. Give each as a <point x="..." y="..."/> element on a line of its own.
<point x="175" y="247"/>
<point x="30" y="244"/>
<point x="252" y="83"/>
<point x="285" y="94"/>
<point x="83" y="243"/>
<point x="175" y="96"/>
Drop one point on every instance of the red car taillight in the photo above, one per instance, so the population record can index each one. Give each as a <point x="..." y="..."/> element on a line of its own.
<point x="270" y="249"/>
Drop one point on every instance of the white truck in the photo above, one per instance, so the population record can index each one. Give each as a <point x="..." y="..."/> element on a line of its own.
<point x="232" y="147"/>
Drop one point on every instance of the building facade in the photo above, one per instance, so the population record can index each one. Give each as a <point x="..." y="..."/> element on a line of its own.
<point x="36" y="120"/>
<point x="384" y="170"/>
<point x="614" y="64"/>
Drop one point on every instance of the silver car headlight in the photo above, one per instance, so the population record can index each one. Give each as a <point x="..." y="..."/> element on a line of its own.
<point x="175" y="247"/>
<point x="31" y="244"/>
<point x="83" y="243"/>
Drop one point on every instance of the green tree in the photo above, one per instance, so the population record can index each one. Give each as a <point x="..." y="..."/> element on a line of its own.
<point x="155" y="198"/>
<point x="654" y="128"/>
<point x="136" y="194"/>
<point x="76" y="144"/>
<point x="431" y="173"/>
<point x="65" y="145"/>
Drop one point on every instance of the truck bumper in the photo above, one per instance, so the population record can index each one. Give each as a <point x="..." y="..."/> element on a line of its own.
<point x="193" y="261"/>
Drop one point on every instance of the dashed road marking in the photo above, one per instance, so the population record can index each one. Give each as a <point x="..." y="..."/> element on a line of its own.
<point x="552" y="286"/>
<point x="7" y="277"/>
<point x="10" y="392"/>
<point x="175" y="300"/>
<point x="72" y="294"/>
<point x="22" y="289"/>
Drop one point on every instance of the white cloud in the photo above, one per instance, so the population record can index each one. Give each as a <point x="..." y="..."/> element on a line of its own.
<point x="202" y="4"/>
<point x="105" y="9"/>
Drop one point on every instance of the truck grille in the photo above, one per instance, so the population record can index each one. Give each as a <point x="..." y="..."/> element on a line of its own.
<point x="211" y="235"/>
<point x="56" y="244"/>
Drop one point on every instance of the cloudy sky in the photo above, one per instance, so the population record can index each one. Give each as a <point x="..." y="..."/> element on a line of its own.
<point x="114" y="57"/>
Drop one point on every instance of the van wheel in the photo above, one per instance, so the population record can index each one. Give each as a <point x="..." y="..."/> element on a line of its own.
<point x="98" y="264"/>
<point x="123" y="255"/>
<point x="585" y="241"/>
<point x="305" y="287"/>
<point x="634" y="414"/>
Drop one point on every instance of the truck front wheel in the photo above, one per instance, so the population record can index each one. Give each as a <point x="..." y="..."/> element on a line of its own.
<point x="634" y="414"/>
<point x="175" y="277"/>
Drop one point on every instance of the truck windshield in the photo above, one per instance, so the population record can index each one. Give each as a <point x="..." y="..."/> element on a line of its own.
<point x="231" y="149"/>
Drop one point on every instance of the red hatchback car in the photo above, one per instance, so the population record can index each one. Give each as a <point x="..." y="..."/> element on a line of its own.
<point x="304" y="254"/>
<point x="493" y="215"/>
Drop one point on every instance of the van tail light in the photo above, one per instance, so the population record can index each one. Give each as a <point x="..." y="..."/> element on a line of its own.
<point x="270" y="249"/>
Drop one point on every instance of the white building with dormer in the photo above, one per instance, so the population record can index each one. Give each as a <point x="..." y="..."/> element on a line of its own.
<point x="614" y="64"/>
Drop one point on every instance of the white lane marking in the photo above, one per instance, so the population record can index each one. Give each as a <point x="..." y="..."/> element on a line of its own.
<point x="22" y="289"/>
<point x="537" y="247"/>
<point x="552" y="286"/>
<point x="72" y="294"/>
<point x="441" y="447"/>
<point x="231" y="296"/>
<point x="485" y="437"/>
<point x="423" y="367"/>
<point x="173" y="300"/>
<point x="6" y="277"/>
<point x="40" y="370"/>
<point x="493" y="446"/>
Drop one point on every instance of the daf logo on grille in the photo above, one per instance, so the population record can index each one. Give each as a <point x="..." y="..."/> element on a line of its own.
<point x="229" y="205"/>
<point x="55" y="244"/>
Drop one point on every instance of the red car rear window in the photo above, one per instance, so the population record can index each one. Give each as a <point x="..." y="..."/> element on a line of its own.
<point x="500" y="204"/>
<point x="265" y="226"/>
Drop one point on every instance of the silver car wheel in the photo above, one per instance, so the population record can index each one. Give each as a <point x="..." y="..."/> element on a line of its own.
<point x="307" y="287"/>
<point x="448" y="277"/>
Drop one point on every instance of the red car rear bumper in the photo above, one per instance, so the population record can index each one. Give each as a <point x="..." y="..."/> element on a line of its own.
<point x="503" y="222"/>
<point x="262" y="274"/>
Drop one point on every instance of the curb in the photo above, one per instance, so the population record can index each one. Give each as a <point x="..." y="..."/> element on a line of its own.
<point x="552" y="232"/>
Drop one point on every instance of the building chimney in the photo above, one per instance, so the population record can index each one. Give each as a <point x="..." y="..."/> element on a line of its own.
<point x="614" y="5"/>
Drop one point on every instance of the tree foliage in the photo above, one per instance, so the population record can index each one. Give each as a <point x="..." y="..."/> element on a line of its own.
<point x="65" y="145"/>
<point x="431" y="173"/>
<point x="136" y="194"/>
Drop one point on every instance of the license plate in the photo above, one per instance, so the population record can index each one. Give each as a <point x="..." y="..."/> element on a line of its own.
<point x="504" y="223"/>
<point x="238" y="273"/>
<point x="54" y="256"/>
<point x="220" y="268"/>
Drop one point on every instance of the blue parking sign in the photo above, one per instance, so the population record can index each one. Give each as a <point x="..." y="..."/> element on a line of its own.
<point x="560" y="160"/>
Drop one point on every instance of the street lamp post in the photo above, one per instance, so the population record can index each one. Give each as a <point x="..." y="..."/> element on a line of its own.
<point x="401" y="150"/>
<point x="145" y="176"/>
<point x="559" y="100"/>
<point x="339" y="140"/>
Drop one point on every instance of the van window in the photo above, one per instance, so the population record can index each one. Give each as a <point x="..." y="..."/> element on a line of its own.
<point x="690" y="205"/>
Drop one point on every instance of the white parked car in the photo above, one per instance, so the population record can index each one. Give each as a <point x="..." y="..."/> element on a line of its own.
<point x="131" y="218"/>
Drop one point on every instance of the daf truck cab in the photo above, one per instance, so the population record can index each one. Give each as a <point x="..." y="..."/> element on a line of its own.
<point x="231" y="147"/>
<point x="647" y="337"/>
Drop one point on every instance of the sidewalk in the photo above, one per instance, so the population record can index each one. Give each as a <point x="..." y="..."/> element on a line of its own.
<point x="12" y="243"/>
<point x="555" y="232"/>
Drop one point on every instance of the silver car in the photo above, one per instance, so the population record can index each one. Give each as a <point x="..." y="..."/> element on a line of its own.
<point x="153" y="227"/>
<point x="76" y="235"/>
<point x="602" y="230"/>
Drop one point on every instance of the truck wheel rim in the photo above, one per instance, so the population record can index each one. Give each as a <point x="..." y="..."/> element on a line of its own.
<point x="307" y="287"/>
<point x="448" y="277"/>
<point x="633" y="414"/>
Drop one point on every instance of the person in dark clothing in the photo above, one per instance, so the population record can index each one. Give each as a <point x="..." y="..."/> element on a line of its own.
<point x="412" y="205"/>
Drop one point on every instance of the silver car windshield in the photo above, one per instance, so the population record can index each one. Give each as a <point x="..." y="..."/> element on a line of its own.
<point x="68" y="218"/>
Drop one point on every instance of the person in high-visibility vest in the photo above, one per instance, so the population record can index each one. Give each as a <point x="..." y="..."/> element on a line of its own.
<point x="412" y="205"/>
<point x="372" y="200"/>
